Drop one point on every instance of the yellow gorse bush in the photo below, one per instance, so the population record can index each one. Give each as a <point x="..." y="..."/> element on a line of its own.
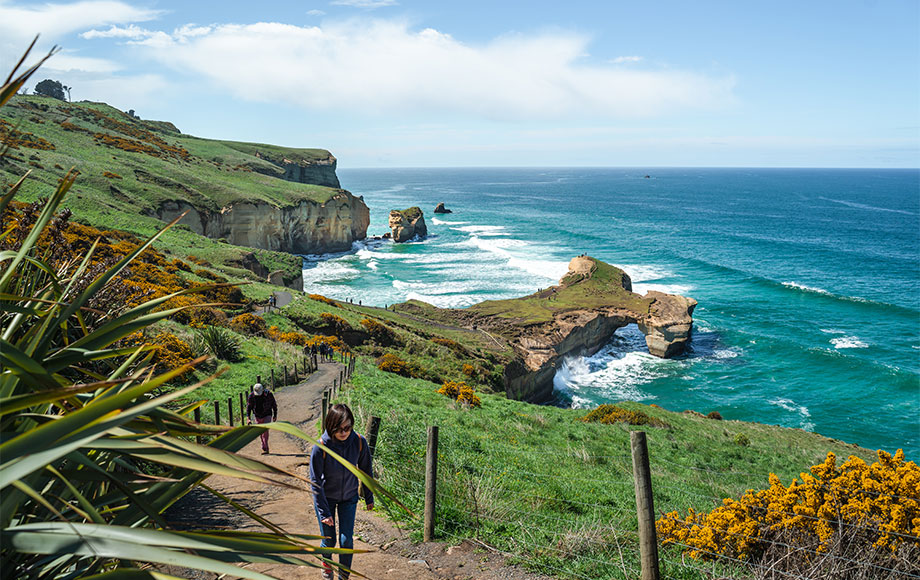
<point x="323" y="299"/>
<point x="461" y="392"/>
<point x="612" y="414"/>
<point x="878" y="504"/>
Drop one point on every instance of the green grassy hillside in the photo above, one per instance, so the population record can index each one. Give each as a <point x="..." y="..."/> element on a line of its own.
<point x="128" y="166"/>
<point x="538" y="482"/>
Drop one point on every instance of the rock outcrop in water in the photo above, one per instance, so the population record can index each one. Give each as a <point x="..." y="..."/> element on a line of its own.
<point x="441" y="209"/>
<point x="407" y="224"/>
<point x="576" y="318"/>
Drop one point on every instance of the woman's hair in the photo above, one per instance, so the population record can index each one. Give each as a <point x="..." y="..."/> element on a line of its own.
<point x="336" y="416"/>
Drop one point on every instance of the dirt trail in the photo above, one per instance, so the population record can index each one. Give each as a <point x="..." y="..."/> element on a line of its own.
<point x="392" y="555"/>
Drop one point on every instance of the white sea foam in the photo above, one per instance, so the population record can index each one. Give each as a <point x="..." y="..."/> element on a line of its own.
<point x="848" y="342"/>
<point x="554" y="270"/>
<point x="330" y="270"/>
<point x="801" y="410"/>
<point x="372" y="264"/>
<point x="665" y="288"/>
<point x="494" y="245"/>
<point x="832" y="331"/>
<point x="644" y="272"/>
<point x="616" y="372"/>
<point x="480" y="229"/>
<point x="619" y="379"/>
<point x="727" y="353"/>
<point x="805" y="288"/>
<point x="856" y="205"/>
<point x="444" y="300"/>
<point x="438" y="222"/>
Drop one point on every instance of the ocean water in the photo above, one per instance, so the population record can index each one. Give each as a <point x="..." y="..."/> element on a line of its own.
<point x="808" y="280"/>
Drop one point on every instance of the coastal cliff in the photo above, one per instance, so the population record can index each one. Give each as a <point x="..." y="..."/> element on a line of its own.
<point x="305" y="227"/>
<point x="576" y="318"/>
<point x="316" y="168"/>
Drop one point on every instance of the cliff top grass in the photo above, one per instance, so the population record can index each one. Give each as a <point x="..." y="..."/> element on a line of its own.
<point x="130" y="166"/>
<point x="277" y="155"/>
<point x="411" y="213"/>
<point x="539" y="482"/>
<point x="599" y="286"/>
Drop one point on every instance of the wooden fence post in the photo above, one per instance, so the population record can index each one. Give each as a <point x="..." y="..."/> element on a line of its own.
<point x="645" y="508"/>
<point x="373" y="427"/>
<point x="216" y="412"/>
<point x="342" y="376"/>
<point x="285" y="383"/>
<point x="334" y="387"/>
<point x="242" y="410"/>
<point x="230" y="409"/>
<point x="198" y="438"/>
<point x="258" y="378"/>
<point x="325" y="407"/>
<point x="431" y="481"/>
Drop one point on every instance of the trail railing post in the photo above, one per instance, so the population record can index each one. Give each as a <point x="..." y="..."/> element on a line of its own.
<point x="258" y="378"/>
<point x="342" y="377"/>
<point x="325" y="406"/>
<point x="431" y="481"/>
<point x="334" y="387"/>
<point x="645" y="508"/>
<point x="242" y="410"/>
<point x="217" y="412"/>
<point x="230" y="409"/>
<point x="373" y="427"/>
<point x="198" y="439"/>
<point x="285" y="383"/>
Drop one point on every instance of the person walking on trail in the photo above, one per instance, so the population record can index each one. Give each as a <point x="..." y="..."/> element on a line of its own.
<point x="261" y="403"/>
<point x="335" y="489"/>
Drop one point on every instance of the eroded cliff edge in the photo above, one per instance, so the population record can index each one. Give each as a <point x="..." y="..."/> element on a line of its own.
<point x="574" y="318"/>
<point x="299" y="227"/>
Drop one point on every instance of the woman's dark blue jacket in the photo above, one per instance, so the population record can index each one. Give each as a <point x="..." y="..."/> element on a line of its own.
<point x="331" y="480"/>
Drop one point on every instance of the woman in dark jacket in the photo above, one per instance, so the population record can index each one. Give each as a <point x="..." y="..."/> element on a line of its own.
<point x="335" y="489"/>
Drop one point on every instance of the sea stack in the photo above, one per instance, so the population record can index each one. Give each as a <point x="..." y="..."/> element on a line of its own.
<point x="407" y="224"/>
<point x="441" y="209"/>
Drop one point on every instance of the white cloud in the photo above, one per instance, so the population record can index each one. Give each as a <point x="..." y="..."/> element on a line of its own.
<point x="383" y="67"/>
<point x="622" y="59"/>
<point x="132" y="32"/>
<point x="365" y="3"/>
<point x="21" y="22"/>
<point x="315" y="13"/>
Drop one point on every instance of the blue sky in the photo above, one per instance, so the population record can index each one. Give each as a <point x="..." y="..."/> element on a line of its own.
<point x="402" y="83"/>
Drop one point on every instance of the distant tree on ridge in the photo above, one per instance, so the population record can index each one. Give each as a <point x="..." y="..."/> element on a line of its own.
<point x="51" y="88"/>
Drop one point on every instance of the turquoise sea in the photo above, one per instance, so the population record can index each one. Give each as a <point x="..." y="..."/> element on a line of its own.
<point x="808" y="280"/>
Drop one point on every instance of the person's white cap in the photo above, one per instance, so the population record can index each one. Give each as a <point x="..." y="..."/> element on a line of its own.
<point x="257" y="388"/>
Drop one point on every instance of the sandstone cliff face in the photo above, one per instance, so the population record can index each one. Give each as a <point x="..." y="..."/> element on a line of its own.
<point x="407" y="224"/>
<point x="318" y="172"/>
<point x="312" y="171"/>
<point x="304" y="228"/>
